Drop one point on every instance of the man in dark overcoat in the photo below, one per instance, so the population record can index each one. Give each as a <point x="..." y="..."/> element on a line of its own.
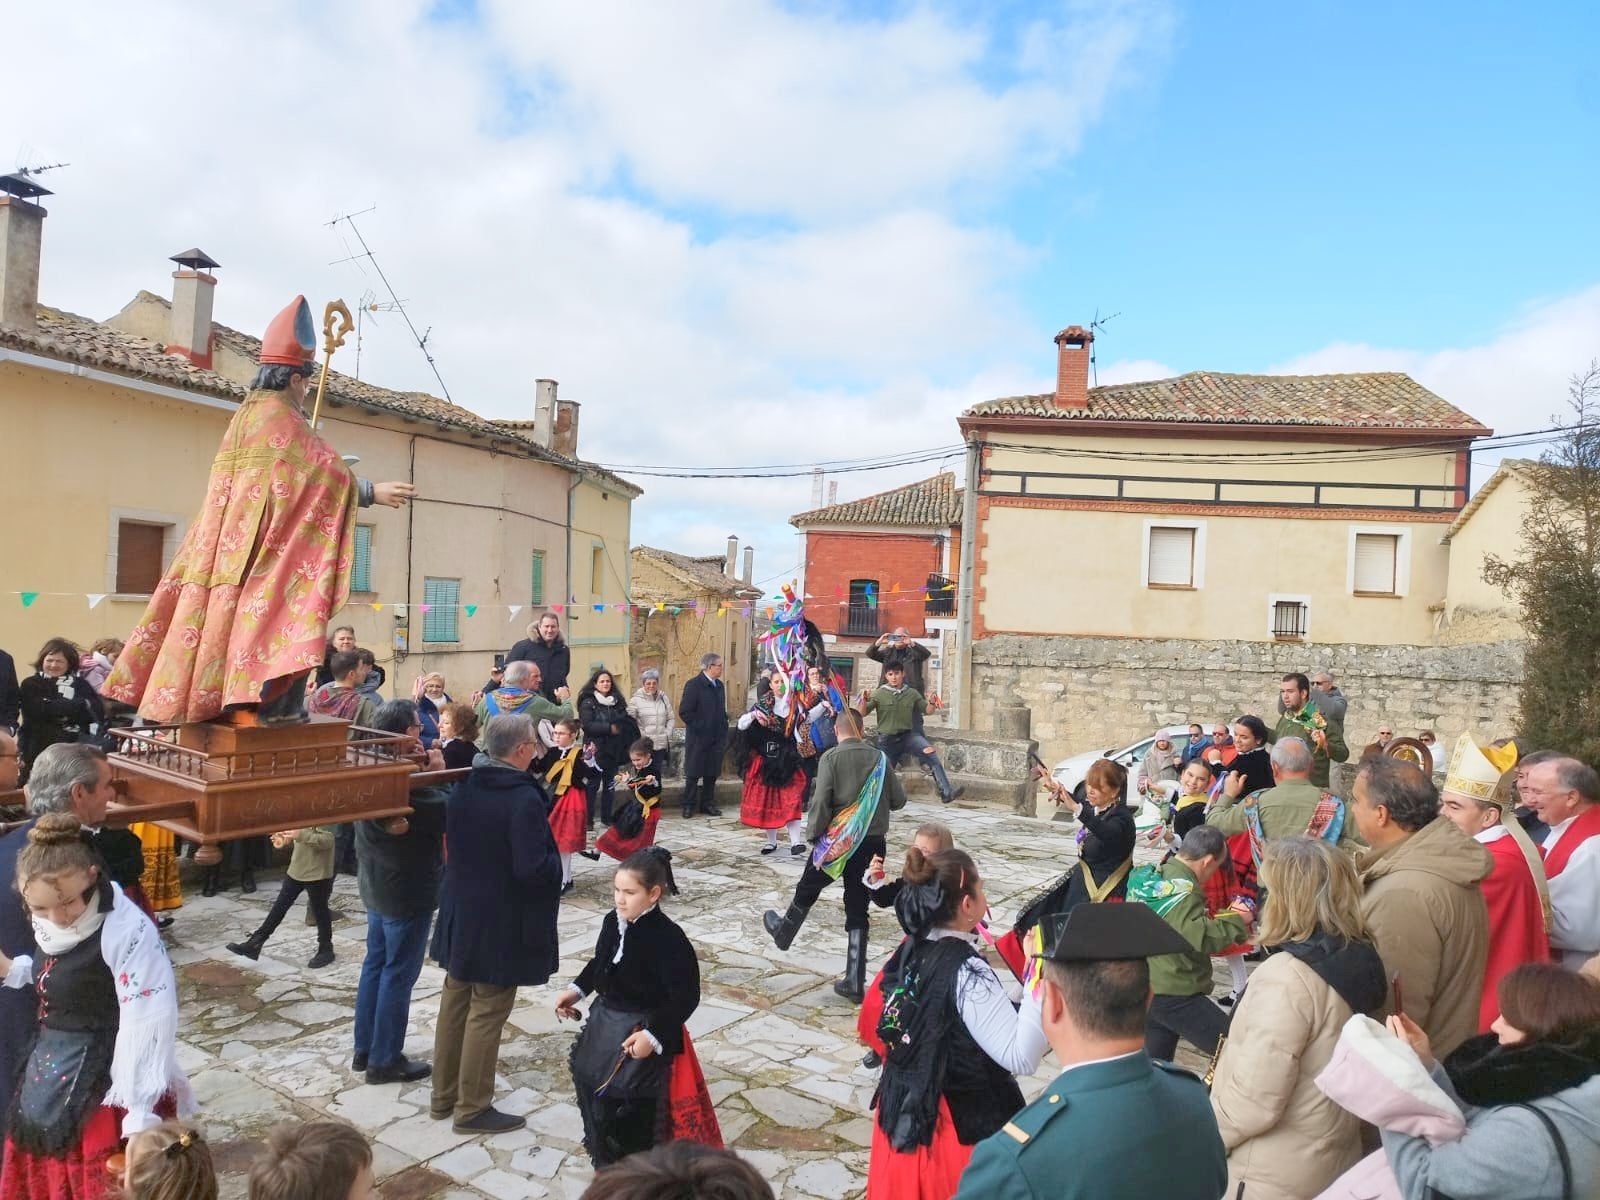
<point x="497" y="919"/>
<point x="704" y="709"/>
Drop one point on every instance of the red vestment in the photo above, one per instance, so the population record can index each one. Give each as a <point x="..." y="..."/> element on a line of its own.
<point x="1516" y="922"/>
<point x="265" y="564"/>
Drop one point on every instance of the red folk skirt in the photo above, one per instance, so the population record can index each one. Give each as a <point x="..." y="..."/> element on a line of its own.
<point x="693" y="1117"/>
<point x="765" y="807"/>
<point x="931" y="1172"/>
<point x="80" y="1173"/>
<point x="569" y="820"/>
<point x="870" y="1014"/>
<point x="1219" y="892"/>
<point x="618" y="847"/>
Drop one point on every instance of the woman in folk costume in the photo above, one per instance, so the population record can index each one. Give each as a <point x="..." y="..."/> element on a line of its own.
<point x="774" y="780"/>
<point x="811" y="718"/>
<point x="567" y="776"/>
<point x="639" y="781"/>
<point x="240" y="618"/>
<point x="1105" y="855"/>
<point x="1475" y="796"/>
<point x="104" y="1059"/>
<point x="954" y="1041"/>
<point x="634" y="1067"/>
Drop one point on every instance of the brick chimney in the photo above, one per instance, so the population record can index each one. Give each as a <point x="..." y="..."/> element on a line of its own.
<point x="193" y="293"/>
<point x="1072" y="367"/>
<point x="21" y="236"/>
<point x="544" y="411"/>
<point x="564" y="436"/>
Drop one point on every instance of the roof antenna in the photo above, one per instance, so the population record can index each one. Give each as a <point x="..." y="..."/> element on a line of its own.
<point x="1095" y="326"/>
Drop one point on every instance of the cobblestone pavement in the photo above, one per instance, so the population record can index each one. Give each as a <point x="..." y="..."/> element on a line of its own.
<point x="270" y="1041"/>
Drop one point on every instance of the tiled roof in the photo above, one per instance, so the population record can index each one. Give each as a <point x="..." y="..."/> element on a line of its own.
<point x="1508" y="467"/>
<point x="932" y="502"/>
<point x="71" y="338"/>
<point x="702" y="573"/>
<point x="1373" y="400"/>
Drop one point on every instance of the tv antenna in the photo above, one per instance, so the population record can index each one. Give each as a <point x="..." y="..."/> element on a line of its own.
<point x="1095" y="326"/>
<point x="369" y="303"/>
<point x="394" y="303"/>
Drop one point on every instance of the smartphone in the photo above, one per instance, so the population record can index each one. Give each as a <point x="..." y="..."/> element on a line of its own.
<point x="499" y="662"/>
<point x="1398" y="1003"/>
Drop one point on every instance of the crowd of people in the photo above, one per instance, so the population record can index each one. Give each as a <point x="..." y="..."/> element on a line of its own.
<point x="1465" y="919"/>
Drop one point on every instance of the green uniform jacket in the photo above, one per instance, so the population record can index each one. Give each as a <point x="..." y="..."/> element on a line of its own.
<point x="841" y="771"/>
<point x="895" y="709"/>
<point x="1337" y="751"/>
<point x="1089" y="1136"/>
<point x="1286" y="811"/>
<point x="1190" y="974"/>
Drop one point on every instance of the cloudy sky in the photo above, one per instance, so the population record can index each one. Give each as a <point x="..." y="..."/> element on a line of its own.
<point x="755" y="233"/>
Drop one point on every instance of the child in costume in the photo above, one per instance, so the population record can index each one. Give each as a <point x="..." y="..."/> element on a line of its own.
<point x="311" y="872"/>
<point x="104" y="1059"/>
<point x="567" y="777"/>
<point x="634" y="1067"/>
<point x="640" y="781"/>
<point x="169" y="1162"/>
<point x="774" y="780"/>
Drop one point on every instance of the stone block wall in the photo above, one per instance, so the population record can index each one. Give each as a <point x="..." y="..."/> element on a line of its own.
<point x="1092" y="693"/>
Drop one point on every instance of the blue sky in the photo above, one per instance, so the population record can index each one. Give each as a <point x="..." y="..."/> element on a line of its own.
<point x="740" y="231"/>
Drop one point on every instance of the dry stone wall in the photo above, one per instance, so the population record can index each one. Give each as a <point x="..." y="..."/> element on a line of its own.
<point x="1091" y="693"/>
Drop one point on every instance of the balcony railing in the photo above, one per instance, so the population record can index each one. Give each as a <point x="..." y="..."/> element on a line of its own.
<point x="859" y="620"/>
<point x="941" y="600"/>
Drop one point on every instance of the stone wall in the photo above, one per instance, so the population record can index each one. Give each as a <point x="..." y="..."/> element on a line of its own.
<point x="1090" y="693"/>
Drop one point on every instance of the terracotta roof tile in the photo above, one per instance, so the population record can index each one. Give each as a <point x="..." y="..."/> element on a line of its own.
<point x="932" y="502"/>
<point x="704" y="572"/>
<point x="1376" y="400"/>
<point x="71" y="338"/>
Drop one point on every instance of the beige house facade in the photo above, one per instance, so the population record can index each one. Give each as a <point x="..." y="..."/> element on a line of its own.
<point x="690" y="606"/>
<point x="134" y="408"/>
<point x="1490" y="524"/>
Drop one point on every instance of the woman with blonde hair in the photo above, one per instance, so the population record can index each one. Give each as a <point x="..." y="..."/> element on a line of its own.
<point x="1285" y="1139"/>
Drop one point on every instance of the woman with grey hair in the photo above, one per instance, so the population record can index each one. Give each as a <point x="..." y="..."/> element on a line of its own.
<point x="653" y="712"/>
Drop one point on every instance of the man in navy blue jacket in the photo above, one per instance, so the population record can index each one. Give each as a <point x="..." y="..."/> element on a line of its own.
<point x="704" y="709"/>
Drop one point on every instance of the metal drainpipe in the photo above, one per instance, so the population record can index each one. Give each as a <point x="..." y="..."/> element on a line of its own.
<point x="572" y="492"/>
<point x="411" y="521"/>
<point x="960" y="702"/>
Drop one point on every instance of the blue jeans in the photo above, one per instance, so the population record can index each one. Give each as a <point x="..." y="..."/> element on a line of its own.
<point x="395" y="949"/>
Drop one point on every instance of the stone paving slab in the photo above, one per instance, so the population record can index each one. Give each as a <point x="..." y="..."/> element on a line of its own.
<point x="270" y="1041"/>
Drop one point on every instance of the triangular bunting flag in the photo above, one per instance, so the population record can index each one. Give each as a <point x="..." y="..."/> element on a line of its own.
<point x="660" y="607"/>
<point x="599" y="608"/>
<point x="894" y="588"/>
<point x="515" y="609"/>
<point x="472" y="609"/>
<point x="676" y="610"/>
<point x="558" y="608"/>
<point x="28" y="598"/>
<point x="375" y="606"/>
<point x="422" y="608"/>
<point x="94" y="598"/>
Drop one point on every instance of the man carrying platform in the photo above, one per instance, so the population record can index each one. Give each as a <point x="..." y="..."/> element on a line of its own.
<point x="239" y="621"/>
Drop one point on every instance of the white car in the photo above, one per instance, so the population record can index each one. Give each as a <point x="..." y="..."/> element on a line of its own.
<point x="1072" y="771"/>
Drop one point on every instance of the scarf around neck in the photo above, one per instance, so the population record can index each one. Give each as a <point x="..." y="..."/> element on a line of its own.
<point x="55" y="940"/>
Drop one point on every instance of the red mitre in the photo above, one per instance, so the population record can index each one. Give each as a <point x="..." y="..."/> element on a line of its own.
<point x="292" y="337"/>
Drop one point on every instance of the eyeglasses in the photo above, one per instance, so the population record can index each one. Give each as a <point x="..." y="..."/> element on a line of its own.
<point x="1385" y="733"/>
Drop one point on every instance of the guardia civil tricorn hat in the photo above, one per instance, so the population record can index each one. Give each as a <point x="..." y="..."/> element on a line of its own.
<point x="291" y="339"/>
<point x="1109" y="932"/>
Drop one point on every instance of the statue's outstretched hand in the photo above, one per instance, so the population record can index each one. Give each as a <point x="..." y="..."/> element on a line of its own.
<point x="394" y="495"/>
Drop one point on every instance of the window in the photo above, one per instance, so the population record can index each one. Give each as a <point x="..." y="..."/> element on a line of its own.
<point x="140" y="549"/>
<point x="597" y="572"/>
<point x="1289" y="618"/>
<point x="861" y="614"/>
<point x="845" y="668"/>
<point x="1375" y="569"/>
<point x="1171" y="561"/>
<point x="361" y="571"/>
<point x="536" y="596"/>
<point x="442" y="597"/>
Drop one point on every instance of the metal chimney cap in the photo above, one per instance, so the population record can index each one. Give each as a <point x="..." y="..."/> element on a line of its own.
<point x="22" y="185"/>
<point x="195" y="259"/>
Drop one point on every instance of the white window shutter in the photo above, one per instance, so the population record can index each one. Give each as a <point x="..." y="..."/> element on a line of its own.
<point x="1375" y="563"/>
<point x="1171" y="556"/>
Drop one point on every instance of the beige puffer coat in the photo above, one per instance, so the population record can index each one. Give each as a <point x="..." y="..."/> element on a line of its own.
<point x="1285" y="1139"/>
<point x="1423" y="901"/>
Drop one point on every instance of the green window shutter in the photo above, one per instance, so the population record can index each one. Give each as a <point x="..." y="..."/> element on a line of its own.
<point x="538" y="578"/>
<point x="361" y="571"/>
<point x="443" y="597"/>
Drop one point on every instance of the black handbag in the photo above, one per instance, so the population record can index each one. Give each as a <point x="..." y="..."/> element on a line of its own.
<point x="628" y="819"/>
<point x="600" y="1065"/>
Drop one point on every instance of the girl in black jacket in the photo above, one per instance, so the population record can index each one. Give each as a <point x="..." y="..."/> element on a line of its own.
<point x="634" y="1067"/>
<point x="57" y="704"/>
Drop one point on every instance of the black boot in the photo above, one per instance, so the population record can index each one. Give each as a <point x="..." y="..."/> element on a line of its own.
<point x="209" y="888"/>
<point x="322" y="957"/>
<point x="946" y="792"/>
<point x="785" y="927"/>
<point x="853" y="987"/>
<point x="249" y="948"/>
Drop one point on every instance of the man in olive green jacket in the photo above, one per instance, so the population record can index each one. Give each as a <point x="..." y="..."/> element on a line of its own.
<point x="1289" y="809"/>
<point x="1182" y="982"/>
<point x="1302" y="719"/>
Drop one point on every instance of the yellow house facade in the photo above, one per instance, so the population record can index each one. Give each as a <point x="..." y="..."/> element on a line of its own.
<point x="710" y="618"/>
<point x="136" y="407"/>
<point x="1490" y="524"/>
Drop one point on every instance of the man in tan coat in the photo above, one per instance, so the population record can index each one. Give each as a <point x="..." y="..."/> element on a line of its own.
<point x="1422" y="899"/>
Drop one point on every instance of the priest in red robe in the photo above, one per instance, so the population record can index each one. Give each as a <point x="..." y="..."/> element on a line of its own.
<point x="1566" y="795"/>
<point x="240" y="618"/>
<point x="1477" y="797"/>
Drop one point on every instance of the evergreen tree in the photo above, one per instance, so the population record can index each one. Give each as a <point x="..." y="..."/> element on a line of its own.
<point x="1555" y="580"/>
